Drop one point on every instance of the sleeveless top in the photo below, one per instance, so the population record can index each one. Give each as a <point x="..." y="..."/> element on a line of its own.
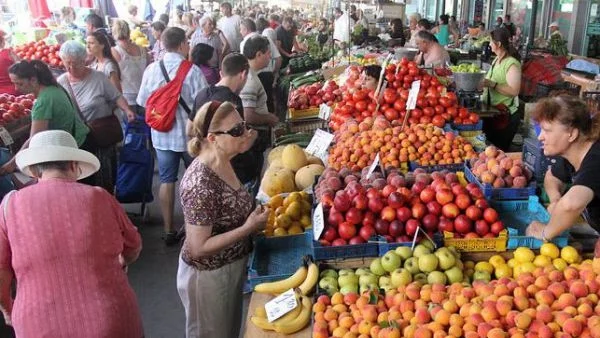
<point x="132" y="70"/>
<point x="497" y="73"/>
<point x="6" y="86"/>
<point x="443" y="35"/>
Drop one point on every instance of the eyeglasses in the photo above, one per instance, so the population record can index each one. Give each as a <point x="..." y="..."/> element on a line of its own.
<point x="236" y="131"/>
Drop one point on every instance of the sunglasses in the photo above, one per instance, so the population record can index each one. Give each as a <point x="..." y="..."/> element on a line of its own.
<point x="236" y="131"/>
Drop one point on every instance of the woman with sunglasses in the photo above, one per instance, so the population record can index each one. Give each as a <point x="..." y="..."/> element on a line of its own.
<point x="219" y="221"/>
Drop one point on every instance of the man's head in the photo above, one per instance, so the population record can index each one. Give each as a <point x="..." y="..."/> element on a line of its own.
<point x="554" y="27"/>
<point x="235" y="66"/>
<point x="424" y="25"/>
<point x="274" y="18"/>
<point x="425" y="40"/>
<point x="226" y="9"/>
<point x="507" y="18"/>
<point x="352" y="9"/>
<point x="338" y="12"/>
<point x="175" y="41"/>
<point x="288" y="23"/>
<point x="93" y="22"/>
<point x="323" y="25"/>
<point x="499" y="20"/>
<point x="261" y="24"/>
<point x="257" y="51"/>
<point x="247" y="26"/>
<point x="133" y="10"/>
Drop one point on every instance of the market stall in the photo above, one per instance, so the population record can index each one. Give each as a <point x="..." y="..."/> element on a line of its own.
<point x="391" y="216"/>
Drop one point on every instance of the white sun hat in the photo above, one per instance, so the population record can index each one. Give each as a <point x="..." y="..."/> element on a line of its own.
<point x="554" y="24"/>
<point x="56" y="145"/>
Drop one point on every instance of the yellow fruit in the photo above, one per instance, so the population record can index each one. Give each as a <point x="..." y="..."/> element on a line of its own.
<point x="305" y="221"/>
<point x="503" y="271"/>
<point x="517" y="270"/>
<point x="527" y="267"/>
<point x="469" y="264"/>
<point x="569" y="254"/>
<point x="559" y="263"/>
<point x="550" y="250"/>
<point x="497" y="260"/>
<point x="542" y="261"/>
<point x="306" y="207"/>
<point x="260" y="312"/>
<point x="280" y="232"/>
<point x="283" y="221"/>
<point x="295" y="229"/>
<point x="314" y="160"/>
<point x="293" y="157"/>
<point x="278" y="182"/>
<point x="275" y="165"/>
<point x="274" y="154"/>
<point x="523" y="255"/>
<point x="306" y="176"/>
<point x="268" y="232"/>
<point x="292" y="197"/>
<point x="280" y="211"/>
<point x="275" y="202"/>
<point x="305" y="196"/>
<point x="294" y="211"/>
<point x="511" y="263"/>
<point x="484" y="266"/>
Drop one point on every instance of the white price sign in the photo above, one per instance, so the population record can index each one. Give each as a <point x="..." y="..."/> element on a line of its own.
<point x="411" y="102"/>
<point x="318" y="221"/>
<point x="324" y="112"/>
<point x="281" y="305"/>
<point x="5" y="136"/>
<point x="319" y="144"/>
<point x="373" y="166"/>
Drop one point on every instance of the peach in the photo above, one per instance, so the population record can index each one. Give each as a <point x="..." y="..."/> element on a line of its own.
<point x="489" y="313"/>
<point x="522" y="321"/>
<point x="369" y="312"/>
<point x="566" y="299"/>
<point x="422" y="315"/>
<point x="578" y="289"/>
<point x="572" y="327"/>
<point x="557" y="289"/>
<point x="556" y="276"/>
<point x="511" y="317"/>
<point x="455" y="331"/>
<point x="503" y="307"/>
<point x="475" y="319"/>
<point x="570" y="273"/>
<point x="560" y="317"/>
<point x="521" y="303"/>
<point x="501" y="290"/>
<point x="593" y="286"/>
<point x="442" y="317"/>
<point x="545" y="297"/>
<point x="423" y="332"/>
<point x="585" y="309"/>
<point x="406" y="305"/>
<point x="545" y="332"/>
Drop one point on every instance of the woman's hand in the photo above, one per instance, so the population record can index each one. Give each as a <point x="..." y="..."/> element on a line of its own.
<point x="488" y="83"/>
<point x="535" y="229"/>
<point x="7" y="319"/>
<point x="257" y="220"/>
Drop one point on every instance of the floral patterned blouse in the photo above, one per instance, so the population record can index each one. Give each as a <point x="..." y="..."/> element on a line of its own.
<point x="207" y="200"/>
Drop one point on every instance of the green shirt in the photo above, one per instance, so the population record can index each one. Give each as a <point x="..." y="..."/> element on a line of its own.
<point x="53" y="105"/>
<point x="498" y="74"/>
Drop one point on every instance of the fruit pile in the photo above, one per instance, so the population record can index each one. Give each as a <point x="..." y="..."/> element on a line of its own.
<point x="434" y="104"/>
<point x="40" y="51"/>
<point x="139" y="38"/>
<point x="357" y="145"/>
<point x="289" y="215"/>
<point x="494" y="167"/>
<point x="13" y="107"/>
<point x="311" y="96"/>
<point x="544" y="303"/>
<point x="357" y="208"/>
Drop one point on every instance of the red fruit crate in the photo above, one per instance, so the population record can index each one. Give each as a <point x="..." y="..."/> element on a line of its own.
<point x="492" y="193"/>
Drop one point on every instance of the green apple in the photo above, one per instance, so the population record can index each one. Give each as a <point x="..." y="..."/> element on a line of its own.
<point x="428" y="263"/>
<point x="346" y="272"/>
<point x="454" y="274"/>
<point x="376" y="267"/>
<point x="347" y="280"/>
<point x="454" y="252"/>
<point x="329" y="284"/>
<point x="384" y="280"/>
<point x="390" y="261"/>
<point x="482" y="275"/>
<point x="421" y="278"/>
<point x="329" y="272"/>
<point x="436" y="277"/>
<point x="446" y="258"/>
<point x="401" y="277"/>
<point x="412" y="265"/>
<point x="421" y="250"/>
<point x="367" y="279"/>
<point x="350" y="288"/>
<point x="427" y="243"/>
<point x="361" y="271"/>
<point x="404" y="252"/>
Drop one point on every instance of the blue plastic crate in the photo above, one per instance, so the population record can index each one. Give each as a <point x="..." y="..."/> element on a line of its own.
<point x="533" y="157"/>
<point x="276" y="258"/>
<point x="320" y="252"/>
<point x="517" y="215"/>
<point x="385" y="246"/>
<point x="438" y="167"/>
<point x="492" y="193"/>
<point x="468" y="127"/>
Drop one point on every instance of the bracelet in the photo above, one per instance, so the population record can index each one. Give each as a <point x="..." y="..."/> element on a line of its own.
<point x="544" y="235"/>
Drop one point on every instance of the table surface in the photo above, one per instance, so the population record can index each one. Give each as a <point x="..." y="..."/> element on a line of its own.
<point x="259" y="299"/>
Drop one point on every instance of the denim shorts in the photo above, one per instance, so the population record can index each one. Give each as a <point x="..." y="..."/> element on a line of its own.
<point x="168" y="164"/>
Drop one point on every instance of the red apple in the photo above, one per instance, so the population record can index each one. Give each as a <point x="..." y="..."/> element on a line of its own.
<point x="434" y="208"/>
<point x="387" y="190"/>
<point x="324" y="242"/>
<point x="339" y="242"/>
<point x="459" y="189"/>
<point x="382" y="227"/>
<point x="445" y="225"/>
<point x="375" y="204"/>
<point x="474" y="213"/>
<point x="462" y="201"/>
<point x="388" y="213"/>
<point x="396" y="228"/>
<point x="462" y="224"/>
<point x="403" y="214"/>
<point x="335" y="217"/>
<point x="427" y="195"/>
<point x="471" y="235"/>
<point x="418" y="187"/>
<point x="450" y="211"/>
<point x="354" y="189"/>
<point x="356" y="240"/>
<point x="482" y="228"/>
<point x="369" y="219"/>
<point x="403" y="239"/>
<point x="329" y="234"/>
<point x="341" y="202"/>
<point x="490" y="215"/>
<point x="354" y="216"/>
<point x="444" y="196"/>
<point x="496" y="227"/>
<point x="388" y="238"/>
<point x="397" y="181"/>
<point x="418" y="210"/>
<point x="347" y="230"/>
<point x="360" y="202"/>
<point x="476" y="193"/>
<point x="489" y="235"/>
<point x="411" y="227"/>
<point x="395" y="200"/>
<point x="366" y="232"/>
<point x="372" y="193"/>
<point x="430" y="222"/>
<point x="481" y="203"/>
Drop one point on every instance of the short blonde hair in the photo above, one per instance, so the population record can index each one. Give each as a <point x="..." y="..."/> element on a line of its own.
<point x="131" y="9"/>
<point x="120" y="30"/>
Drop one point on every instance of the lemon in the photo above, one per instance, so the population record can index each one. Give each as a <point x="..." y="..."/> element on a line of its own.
<point x="517" y="270"/>
<point x="279" y="232"/>
<point x="550" y="250"/>
<point x="306" y="207"/>
<point x="542" y="261"/>
<point x="283" y="221"/>
<point x="497" y="260"/>
<point x="527" y="267"/>
<point x="305" y="220"/>
<point x="559" y="263"/>
<point x="503" y="271"/>
<point x="484" y="266"/>
<point x="511" y="263"/>
<point x="275" y="202"/>
<point x="280" y="210"/>
<point x="569" y="254"/>
<point x="523" y="255"/>
<point x="294" y="210"/>
<point x="295" y="229"/>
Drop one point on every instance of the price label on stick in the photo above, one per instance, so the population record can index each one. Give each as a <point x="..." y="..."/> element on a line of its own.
<point x="373" y="166"/>
<point x="6" y="137"/>
<point x="324" y="112"/>
<point x="281" y="305"/>
<point x="319" y="144"/>
<point x="411" y="102"/>
<point x="318" y="221"/>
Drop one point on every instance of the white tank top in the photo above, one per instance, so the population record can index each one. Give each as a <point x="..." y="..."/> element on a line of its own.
<point x="132" y="70"/>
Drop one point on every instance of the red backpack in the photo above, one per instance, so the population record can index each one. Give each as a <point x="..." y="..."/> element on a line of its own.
<point x="161" y="107"/>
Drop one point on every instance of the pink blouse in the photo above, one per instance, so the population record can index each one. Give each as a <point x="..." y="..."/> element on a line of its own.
<point x="63" y="240"/>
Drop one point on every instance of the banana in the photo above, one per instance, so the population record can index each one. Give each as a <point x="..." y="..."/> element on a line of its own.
<point x="283" y="285"/>
<point x="298" y="323"/>
<point x="311" y="278"/>
<point x="262" y="323"/>
<point x="260" y="316"/>
<point x="260" y="312"/>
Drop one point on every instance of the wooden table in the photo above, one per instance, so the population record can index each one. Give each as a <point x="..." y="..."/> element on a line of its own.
<point x="587" y="85"/>
<point x="259" y="299"/>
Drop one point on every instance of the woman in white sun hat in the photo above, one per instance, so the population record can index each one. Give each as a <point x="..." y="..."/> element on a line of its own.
<point x="66" y="243"/>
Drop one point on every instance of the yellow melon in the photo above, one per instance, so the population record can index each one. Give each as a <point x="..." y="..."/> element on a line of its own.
<point x="274" y="154"/>
<point x="314" y="160"/>
<point x="305" y="176"/>
<point x="293" y="157"/>
<point x="278" y="182"/>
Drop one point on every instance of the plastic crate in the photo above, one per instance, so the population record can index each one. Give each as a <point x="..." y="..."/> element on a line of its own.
<point x="500" y="193"/>
<point x="533" y="157"/>
<point x="468" y="127"/>
<point x="276" y="258"/>
<point x="497" y="244"/>
<point x="320" y="252"/>
<point x="454" y="167"/>
<point x="517" y="215"/>
<point x="307" y="125"/>
<point x="385" y="246"/>
<point x="302" y="114"/>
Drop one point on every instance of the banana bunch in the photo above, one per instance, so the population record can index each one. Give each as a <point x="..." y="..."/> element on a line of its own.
<point x="291" y="322"/>
<point x="305" y="279"/>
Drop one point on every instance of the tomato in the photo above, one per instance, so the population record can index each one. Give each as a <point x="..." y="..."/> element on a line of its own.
<point x="435" y="82"/>
<point x="458" y="120"/>
<point x="452" y="111"/>
<point x="371" y="107"/>
<point x="445" y="102"/>
<point x="474" y="118"/>
<point x="361" y="105"/>
<point x="406" y="85"/>
<point x="427" y="77"/>
<point x="397" y="84"/>
<point x="400" y="105"/>
<point x="439" y="109"/>
<point x="408" y="79"/>
<point x="425" y="119"/>
<point x="432" y="101"/>
<point x="424" y="84"/>
<point x="404" y="61"/>
<point x="413" y="71"/>
<point x="347" y="109"/>
<point x="416" y="113"/>
<point x="452" y="97"/>
<point x="428" y="111"/>
<point x="463" y="113"/>
<point x="390" y="114"/>
<point x="389" y="78"/>
<point x="403" y="71"/>
<point x="438" y="121"/>
<point x="404" y="95"/>
<point x="391" y="68"/>
<point x="389" y="95"/>
<point x="422" y="103"/>
<point x="359" y="95"/>
<point x="45" y="59"/>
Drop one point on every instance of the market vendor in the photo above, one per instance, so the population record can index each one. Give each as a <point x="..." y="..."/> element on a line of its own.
<point x="430" y="51"/>
<point x="396" y="34"/>
<point x="502" y="84"/>
<point x="7" y="59"/>
<point x="370" y="77"/>
<point x="570" y="134"/>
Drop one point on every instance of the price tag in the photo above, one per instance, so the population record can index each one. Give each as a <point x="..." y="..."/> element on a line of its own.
<point x="373" y="166"/>
<point x="324" y="112"/>
<point x="281" y="305"/>
<point x="5" y="136"/>
<point x="318" y="221"/>
<point x="411" y="102"/>
<point x="319" y="144"/>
